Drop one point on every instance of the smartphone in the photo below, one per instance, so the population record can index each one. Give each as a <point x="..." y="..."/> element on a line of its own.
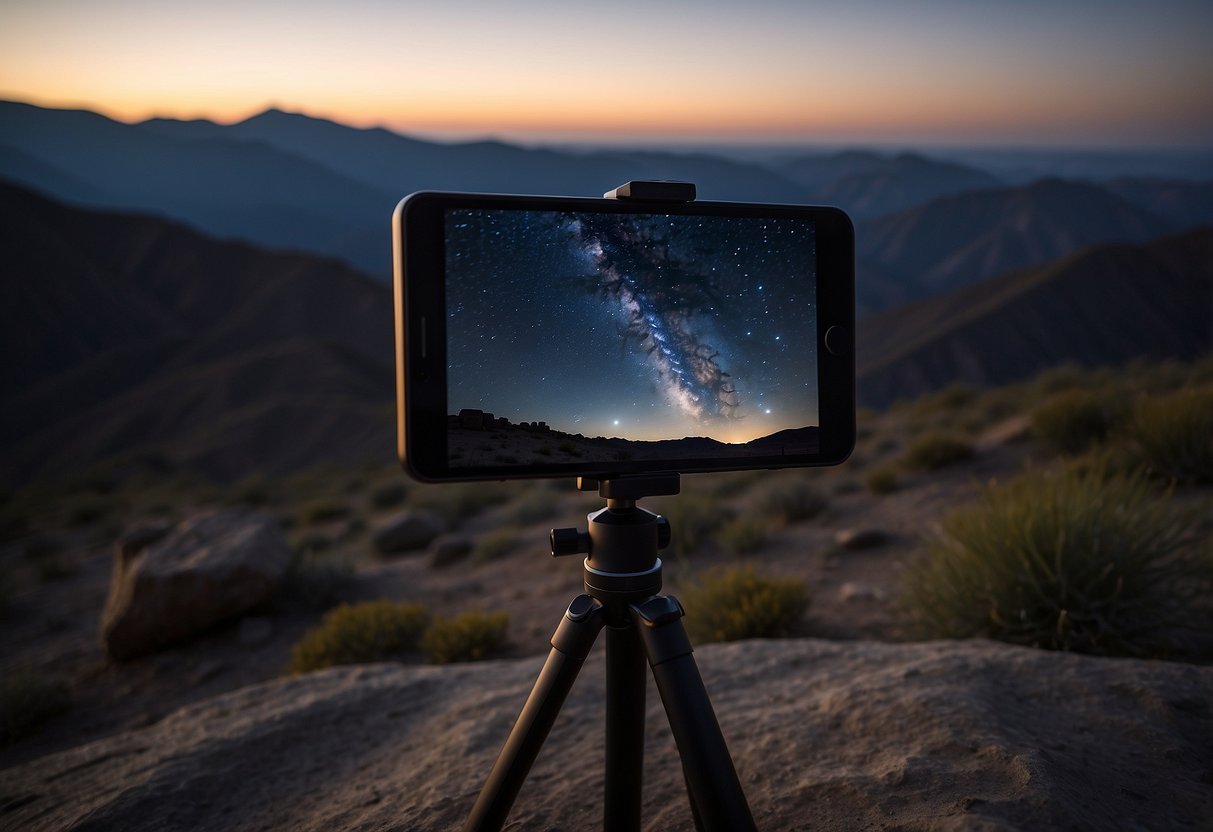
<point x="557" y="337"/>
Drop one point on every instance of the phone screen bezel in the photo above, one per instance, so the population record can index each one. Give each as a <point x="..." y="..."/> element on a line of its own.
<point x="418" y="231"/>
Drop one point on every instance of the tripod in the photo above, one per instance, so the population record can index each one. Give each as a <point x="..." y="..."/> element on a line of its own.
<point x="622" y="579"/>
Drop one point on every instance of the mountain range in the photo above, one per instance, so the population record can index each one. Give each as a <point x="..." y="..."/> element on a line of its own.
<point x="127" y="334"/>
<point x="289" y="181"/>
<point x="1104" y="305"/>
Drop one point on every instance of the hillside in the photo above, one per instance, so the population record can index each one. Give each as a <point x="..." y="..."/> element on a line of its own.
<point x="869" y="184"/>
<point x="1105" y="305"/>
<point x="128" y="333"/>
<point x="960" y="240"/>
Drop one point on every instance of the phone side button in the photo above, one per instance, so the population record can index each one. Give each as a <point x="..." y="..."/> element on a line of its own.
<point x="837" y="340"/>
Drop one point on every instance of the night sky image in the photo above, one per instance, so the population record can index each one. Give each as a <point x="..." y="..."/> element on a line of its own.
<point x="633" y="326"/>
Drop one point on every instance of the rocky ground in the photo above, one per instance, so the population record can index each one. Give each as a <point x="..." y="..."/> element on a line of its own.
<point x="848" y="725"/>
<point x="824" y="735"/>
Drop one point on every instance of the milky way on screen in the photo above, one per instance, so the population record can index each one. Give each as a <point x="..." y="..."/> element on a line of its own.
<point x="634" y="326"/>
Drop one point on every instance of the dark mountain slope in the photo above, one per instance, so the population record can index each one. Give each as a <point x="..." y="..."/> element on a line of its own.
<point x="963" y="239"/>
<point x="1104" y="305"/>
<point x="123" y="332"/>
<point x="867" y="184"/>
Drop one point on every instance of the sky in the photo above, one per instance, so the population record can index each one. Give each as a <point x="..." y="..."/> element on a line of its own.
<point x="1073" y="73"/>
<point x="633" y="327"/>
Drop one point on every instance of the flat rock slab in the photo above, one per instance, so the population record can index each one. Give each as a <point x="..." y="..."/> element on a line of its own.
<point x="824" y="735"/>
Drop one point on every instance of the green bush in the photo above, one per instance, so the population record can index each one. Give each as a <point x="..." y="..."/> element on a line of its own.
<point x="1071" y="422"/>
<point x="791" y="501"/>
<point x="935" y="450"/>
<point x="27" y="701"/>
<point x="469" y="636"/>
<point x="737" y="603"/>
<point x="1172" y="436"/>
<point x="1071" y="560"/>
<point x="366" y="632"/>
<point x="881" y="480"/>
<point x="744" y="535"/>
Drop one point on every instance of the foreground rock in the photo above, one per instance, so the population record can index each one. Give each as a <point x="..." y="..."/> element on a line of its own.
<point x="825" y="735"/>
<point x="170" y="584"/>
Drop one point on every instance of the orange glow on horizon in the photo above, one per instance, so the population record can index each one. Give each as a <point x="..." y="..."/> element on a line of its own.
<point x="769" y="71"/>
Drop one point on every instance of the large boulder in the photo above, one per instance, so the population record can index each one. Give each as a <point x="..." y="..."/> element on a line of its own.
<point x="171" y="584"/>
<point x="824" y="735"/>
<point x="408" y="531"/>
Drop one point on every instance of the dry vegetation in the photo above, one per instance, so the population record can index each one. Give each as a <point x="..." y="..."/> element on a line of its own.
<point x="941" y="478"/>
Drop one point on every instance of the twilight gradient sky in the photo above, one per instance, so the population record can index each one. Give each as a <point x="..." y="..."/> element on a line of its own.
<point x="1066" y="72"/>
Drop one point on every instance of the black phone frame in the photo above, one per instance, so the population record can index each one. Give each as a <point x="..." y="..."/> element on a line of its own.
<point x="418" y="234"/>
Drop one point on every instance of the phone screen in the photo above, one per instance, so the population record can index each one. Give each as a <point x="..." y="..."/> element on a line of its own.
<point x="582" y="338"/>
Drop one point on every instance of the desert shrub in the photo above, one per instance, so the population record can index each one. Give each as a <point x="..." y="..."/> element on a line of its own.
<point x="881" y="480"/>
<point x="388" y="494"/>
<point x="27" y="701"/>
<point x="469" y="636"/>
<point x="744" y="535"/>
<point x="322" y="510"/>
<point x="791" y="501"/>
<point x="1070" y="560"/>
<point x="694" y="520"/>
<point x="366" y="632"/>
<point x="1172" y="436"/>
<point x="494" y="545"/>
<point x="935" y="450"/>
<point x="737" y="603"/>
<point x="1073" y="421"/>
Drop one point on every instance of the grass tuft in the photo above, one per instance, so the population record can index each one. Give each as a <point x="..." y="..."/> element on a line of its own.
<point x="468" y="637"/>
<point x="366" y="632"/>
<point x="1073" y="421"/>
<point x="1072" y="560"/>
<point x="935" y="450"/>
<point x="1172" y="436"/>
<point x="738" y="603"/>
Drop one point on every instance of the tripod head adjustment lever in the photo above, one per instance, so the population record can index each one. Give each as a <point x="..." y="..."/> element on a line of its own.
<point x="569" y="542"/>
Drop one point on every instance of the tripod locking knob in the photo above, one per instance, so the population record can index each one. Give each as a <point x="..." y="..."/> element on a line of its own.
<point x="663" y="532"/>
<point x="569" y="542"/>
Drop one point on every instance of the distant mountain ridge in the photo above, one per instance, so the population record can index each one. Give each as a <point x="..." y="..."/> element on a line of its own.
<point x="126" y="333"/>
<point x="962" y="239"/>
<point x="1104" y="305"/>
<point x="294" y="182"/>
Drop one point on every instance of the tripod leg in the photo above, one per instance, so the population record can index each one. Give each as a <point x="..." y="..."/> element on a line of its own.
<point x="716" y="794"/>
<point x="625" y="685"/>
<point x="570" y="645"/>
